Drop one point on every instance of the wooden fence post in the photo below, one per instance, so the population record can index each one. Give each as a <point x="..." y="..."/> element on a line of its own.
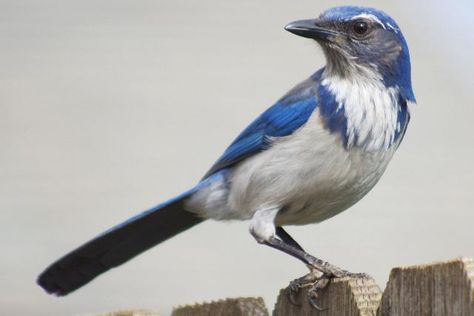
<point x="437" y="289"/>
<point x="342" y="297"/>
<point x="126" y="312"/>
<point x="243" y="306"/>
<point x="445" y="288"/>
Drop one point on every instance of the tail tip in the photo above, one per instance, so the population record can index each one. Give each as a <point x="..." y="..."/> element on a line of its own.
<point x="50" y="286"/>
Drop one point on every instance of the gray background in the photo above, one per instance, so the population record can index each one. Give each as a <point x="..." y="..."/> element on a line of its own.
<point x="109" y="107"/>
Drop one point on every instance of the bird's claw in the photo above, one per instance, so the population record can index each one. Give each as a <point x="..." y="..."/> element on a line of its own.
<point x="317" y="281"/>
<point x="293" y="290"/>
<point x="316" y="288"/>
<point x="347" y="274"/>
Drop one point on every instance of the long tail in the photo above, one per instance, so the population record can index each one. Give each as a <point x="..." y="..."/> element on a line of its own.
<point x="117" y="245"/>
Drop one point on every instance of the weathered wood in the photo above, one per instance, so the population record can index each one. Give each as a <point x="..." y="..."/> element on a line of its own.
<point x="131" y="312"/>
<point x="444" y="288"/>
<point x="244" y="306"/>
<point x="342" y="297"/>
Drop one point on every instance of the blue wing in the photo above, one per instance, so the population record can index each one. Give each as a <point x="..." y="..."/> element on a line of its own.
<point x="282" y="119"/>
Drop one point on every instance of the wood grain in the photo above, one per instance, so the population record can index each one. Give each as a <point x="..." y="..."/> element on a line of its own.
<point x="243" y="306"/>
<point x="444" y="288"/>
<point x="342" y="297"/>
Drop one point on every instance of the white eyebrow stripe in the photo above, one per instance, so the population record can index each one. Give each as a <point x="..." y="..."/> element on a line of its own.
<point x="396" y="30"/>
<point x="369" y="17"/>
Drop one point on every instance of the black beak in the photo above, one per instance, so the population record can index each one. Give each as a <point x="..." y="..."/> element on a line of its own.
<point x="310" y="29"/>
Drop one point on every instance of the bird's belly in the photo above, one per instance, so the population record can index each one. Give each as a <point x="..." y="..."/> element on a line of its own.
<point x="326" y="198"/>
<point x="309" y="175"/>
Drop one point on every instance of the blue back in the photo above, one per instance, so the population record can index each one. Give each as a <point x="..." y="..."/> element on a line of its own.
<point x="287" y="115"/>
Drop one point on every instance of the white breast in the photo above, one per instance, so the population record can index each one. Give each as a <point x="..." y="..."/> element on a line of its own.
<point x="309" y="174"/>
<point x="371" y="109"/>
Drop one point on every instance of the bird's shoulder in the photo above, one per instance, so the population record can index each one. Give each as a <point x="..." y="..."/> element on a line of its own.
<point x="287" y="115"/>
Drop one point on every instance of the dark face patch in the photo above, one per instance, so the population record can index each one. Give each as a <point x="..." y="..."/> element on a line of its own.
<point x="363" y="41"/>
<point x="379" y="46"/>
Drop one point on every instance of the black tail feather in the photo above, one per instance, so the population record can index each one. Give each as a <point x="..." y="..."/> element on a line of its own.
<point x="116" y="246"/>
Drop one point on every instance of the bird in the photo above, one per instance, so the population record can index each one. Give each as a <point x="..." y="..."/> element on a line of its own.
<point x="313" y="154"/>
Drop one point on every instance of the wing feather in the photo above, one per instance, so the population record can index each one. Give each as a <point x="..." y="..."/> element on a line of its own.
<point x="283" y="118"/>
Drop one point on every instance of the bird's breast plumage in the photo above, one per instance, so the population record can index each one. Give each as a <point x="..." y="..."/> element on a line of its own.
<point x="310" y="174"/>
<point x="323" y="167"/>
<point x="363" y="110"/>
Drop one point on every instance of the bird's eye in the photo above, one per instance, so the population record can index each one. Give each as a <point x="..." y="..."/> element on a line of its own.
<point x="360" y="28"/>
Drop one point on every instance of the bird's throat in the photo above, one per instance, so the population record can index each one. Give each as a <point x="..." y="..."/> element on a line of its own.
<point x="363" y="110"/>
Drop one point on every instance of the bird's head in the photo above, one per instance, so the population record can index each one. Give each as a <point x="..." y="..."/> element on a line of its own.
<point x="360" y="41"/>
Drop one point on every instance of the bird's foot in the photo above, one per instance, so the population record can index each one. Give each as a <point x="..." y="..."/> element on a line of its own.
<point x="317" y="281"/>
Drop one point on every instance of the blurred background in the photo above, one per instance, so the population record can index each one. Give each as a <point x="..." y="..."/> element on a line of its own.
<point x="110" y="107"/>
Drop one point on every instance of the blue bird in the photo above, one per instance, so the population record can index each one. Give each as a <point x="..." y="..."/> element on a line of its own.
<point x="313" y="154"/>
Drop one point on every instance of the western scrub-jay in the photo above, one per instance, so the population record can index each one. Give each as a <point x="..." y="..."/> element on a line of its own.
<point x="313" y="154"/>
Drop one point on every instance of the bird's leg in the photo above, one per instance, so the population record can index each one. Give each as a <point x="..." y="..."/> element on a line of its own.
<point x="313" y="262"/>
<point x="287" y="239"/>
<point x="321" y="272"/>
